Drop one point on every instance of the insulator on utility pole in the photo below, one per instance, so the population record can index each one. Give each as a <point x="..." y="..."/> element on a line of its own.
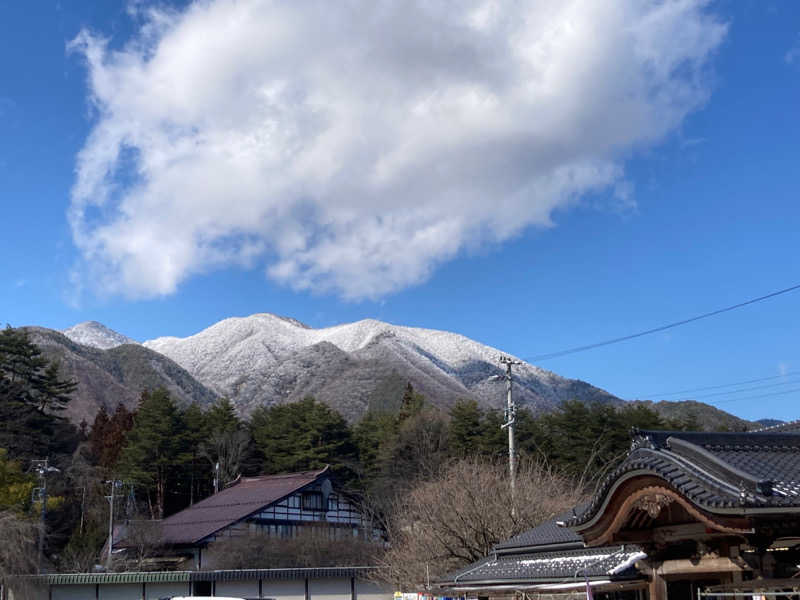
<point x="511" y="416"/>
<point x="42" y="468"/>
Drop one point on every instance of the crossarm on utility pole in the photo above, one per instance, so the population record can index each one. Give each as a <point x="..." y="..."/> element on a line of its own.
<point x="511" y="415"/>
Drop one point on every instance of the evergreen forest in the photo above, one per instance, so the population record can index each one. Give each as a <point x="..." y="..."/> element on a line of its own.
<point x="163" y="456"/>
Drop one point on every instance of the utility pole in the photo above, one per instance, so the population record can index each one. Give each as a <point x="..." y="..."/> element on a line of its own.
<point x="216" y="477"/>
<point x="42" y="468"/>
<point x="115" y="483"/>
<point x="511" y="415"/>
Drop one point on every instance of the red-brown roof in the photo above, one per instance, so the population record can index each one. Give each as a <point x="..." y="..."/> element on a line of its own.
<point x="247" y="496"/>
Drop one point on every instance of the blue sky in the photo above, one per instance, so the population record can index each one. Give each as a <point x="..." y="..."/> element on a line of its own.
<point x="238" y="175"/>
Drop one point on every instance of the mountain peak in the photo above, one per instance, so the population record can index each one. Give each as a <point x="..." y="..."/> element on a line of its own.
<point x="265" y="358"/>
<point x="288" y="320"/>
<point x="92" y="333"/>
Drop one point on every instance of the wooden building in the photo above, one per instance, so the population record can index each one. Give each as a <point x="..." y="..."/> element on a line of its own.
<point x="699" y="511"/>
<point x="271" y="505"/>
<point x="550" y="560"/>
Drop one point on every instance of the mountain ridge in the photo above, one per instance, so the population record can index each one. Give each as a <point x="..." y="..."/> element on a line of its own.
<point x="352" y="367"/>
<point x="106" y="377"/>
<point x="265" y="358"/>
<point x="92" y="333"/>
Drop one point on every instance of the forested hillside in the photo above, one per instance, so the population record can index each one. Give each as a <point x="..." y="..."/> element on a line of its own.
<point x="162" y="451"/>
<point x="106" y="377"/>
<point x="162" y="447"/>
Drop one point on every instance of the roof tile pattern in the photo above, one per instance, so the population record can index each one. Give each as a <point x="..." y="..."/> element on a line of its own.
<point x="788" y="427"/>
<point x="551" y="566"/>
<point x="713" y="470"/>
<point x="232" y="504"/>
<point x="547" y="533"/>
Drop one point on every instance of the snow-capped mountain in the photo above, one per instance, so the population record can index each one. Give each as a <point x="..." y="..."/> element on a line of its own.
<point x="92" y="333"/>
<point x="264" y="358"/>
<point x="107" y="377"/>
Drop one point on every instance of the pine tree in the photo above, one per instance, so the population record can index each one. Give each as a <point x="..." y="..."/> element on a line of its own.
<point x="302" y="435"/>
<point x="152" y="453"/>
<point x="30" y="391"/>
<point x="412" y="403"/>
<point x="221" y="416"/>
<point x="195" y="434"/>
<point x="494" y="439"/>
<point x="586" y="440"/>
<point x="370" y="435"/>
<point x="466" y="428"/>
<point x="53" y="392"/>
<point x="27" y="377"/>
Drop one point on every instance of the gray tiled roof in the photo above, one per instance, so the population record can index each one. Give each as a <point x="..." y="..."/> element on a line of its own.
<point x="185" y="576"/>
<point x="714" y="470"/>
<point x="531" y="567"/>
<point x="548" y="533"/>
<point x="788" y="427"/>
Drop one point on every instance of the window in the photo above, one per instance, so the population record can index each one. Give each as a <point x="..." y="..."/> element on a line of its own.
<point x="201" y="588"/>
<point x="312" y="501"/>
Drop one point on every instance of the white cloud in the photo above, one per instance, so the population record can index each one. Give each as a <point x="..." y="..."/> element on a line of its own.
<point x="351" y="147"/>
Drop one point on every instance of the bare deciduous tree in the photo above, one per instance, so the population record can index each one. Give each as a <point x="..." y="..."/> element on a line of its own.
<point x="457" y="517"/>
<point x="142" y="541"/>
<point x="315" y="546"/>
<point x="17" y="553"/>
<point x="228" y="448"/>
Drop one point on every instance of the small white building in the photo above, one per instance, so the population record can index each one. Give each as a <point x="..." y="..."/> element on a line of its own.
<point x="334" y="583"/>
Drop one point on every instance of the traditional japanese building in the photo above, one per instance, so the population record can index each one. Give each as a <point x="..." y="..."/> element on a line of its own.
<point x="271" y="505"/>
<point x="549" y="560"/>
<point x="685" y="513"/>
<point x="707" y="508"/>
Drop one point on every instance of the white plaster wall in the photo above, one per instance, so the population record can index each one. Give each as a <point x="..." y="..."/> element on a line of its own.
<point x="73" y="592"/>
<point x="160" y="590"/>
<point x="329" y="589"/>
<point x="121" y="591"/>
<point x="42" y="593"/>
<point x="366" y="590"/>
<point x="285" y="590"/>
<point x="242" y="589"/>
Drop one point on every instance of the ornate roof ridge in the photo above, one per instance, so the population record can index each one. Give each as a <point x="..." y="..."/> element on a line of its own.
<point x="749" y="440"/>
<point x="685" y="462"/>
<point x="780" y="427"/>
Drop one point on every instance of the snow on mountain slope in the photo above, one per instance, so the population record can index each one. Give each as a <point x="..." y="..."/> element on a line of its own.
<point x="266" y="359"/>
<point x="92" y="333"/>
<point x="107" y="377"/>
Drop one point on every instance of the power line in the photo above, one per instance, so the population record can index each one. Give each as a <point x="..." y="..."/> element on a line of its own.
<point x="719" y="386"/>
<point x="759" y="396"/>
<point x="624" y="338"/>
<point x="749" y="389"/>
